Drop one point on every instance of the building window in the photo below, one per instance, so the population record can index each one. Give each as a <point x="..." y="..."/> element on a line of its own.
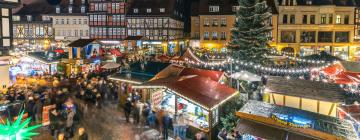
<point x="304" y="20"/>
<point x="67" y="21"/>
<point x="57" y="10"/>
<point x="215" y="22"/>
<point x="285" y="19"/>
<point x="85" y="21"/>
<point x="323" y="19"/>
<point x="308" y="2"/>
<point x="206" y="35"/>
<point x="74" y="21"/>
<point x="16" y="18"/>
<point x="346" y="19"/>
<point x="214" y="35"/>
<point x="206" y="22"/>
<point x="196" y="22"/>
<point x="162" y="10"/>
<point x="62" y="21"/>
<point x="312" y="19"/>
<point x="223" y="35"/>
<point x="341" y="37"/>
<point x="70" y="9"/>
<point x="76" y="33"/>
<point x="325" y="37"/>
<point x="82" y="9"/>
<point x="330" y="18"/>
<point x="288" y="36"/>
<point x="81" y="33"/>
<point x="148" y="10"/>
<point x="338" y="19"/>
<point x="292" y="19"/>
<point x="308" y="37"/>
<point x="71" y="1"/>
<point x="197" y="35"/>
<point x="57" y="21"/>
<point x="235" y="8"/>
<point x="213" y="8"/>
<point x="223" y="21"/>
<point x="28" y="18"/>
<point x="136" y="10"/>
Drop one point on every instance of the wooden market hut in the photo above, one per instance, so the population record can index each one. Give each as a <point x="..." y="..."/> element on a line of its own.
<point x="269" y="121"/>
<point x="203" y="92"/>
<point x="318" y="97"/>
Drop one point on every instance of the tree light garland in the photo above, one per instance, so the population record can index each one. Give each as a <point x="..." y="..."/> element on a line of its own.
<point x="266" y="69"/>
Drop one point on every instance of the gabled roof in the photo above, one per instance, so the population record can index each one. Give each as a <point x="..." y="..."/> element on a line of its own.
<point x="306" y="89"/>
<point x="201" y="7"/>
<point x="81" y="43"/>
<point x="202" y="90"/>
<point x="170" y="7"/>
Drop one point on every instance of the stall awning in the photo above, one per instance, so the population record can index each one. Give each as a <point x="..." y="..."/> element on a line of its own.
<point x="80" y="43"/>
<point x="116" y="52"/>
<point x="267" y="131"/>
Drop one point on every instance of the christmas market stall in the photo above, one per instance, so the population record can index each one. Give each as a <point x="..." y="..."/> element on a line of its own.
<point x="345" y="73"/>
<point x="318" y="97"/>
<point x="259" y="120"/>
<point x="37" y="63"/>
<point x="351" y="113"/>
<point x="199" y="97"/>
<point x="136" y="74"/>
<point x="84" y="56"/>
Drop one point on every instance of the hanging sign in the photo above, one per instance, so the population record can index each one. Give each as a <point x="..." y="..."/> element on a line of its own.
<point x="291" y="120"/>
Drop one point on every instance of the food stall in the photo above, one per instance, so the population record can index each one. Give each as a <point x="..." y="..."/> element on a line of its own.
<point x="199" y="99"/>
<point x="260" y="121"/>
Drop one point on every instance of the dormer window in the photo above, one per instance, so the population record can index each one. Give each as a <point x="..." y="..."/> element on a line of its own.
<point x="16" y="18"/>
<point x="162" y="10"/>
<point x="214" y="8"/>
<point x="308" y="2"/>
<point x="28" y="18"/>
<point x="235" y="8"/>
<point x="57" y="9"/>
<point x="82" y="1"/>
<point x="70" y="9"/>
<point x="136" y="10"/>
<point x="71" y="1"/>
<point x="148" y="10"/>
<point x="82" y="9"/>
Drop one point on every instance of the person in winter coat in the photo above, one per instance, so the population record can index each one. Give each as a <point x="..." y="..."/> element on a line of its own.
<point x="37" y="109"/>
<point x="30" y="107"/>
<point x="167" y="122"/>
<point x="82" y="134"/>
<point x="127" y="110"/>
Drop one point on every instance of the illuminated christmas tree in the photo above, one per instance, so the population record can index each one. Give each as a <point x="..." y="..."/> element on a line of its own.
<point x="18" y="130"/>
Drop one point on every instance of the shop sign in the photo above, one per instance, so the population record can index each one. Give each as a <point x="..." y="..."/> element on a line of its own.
<point x="291" y="121"/>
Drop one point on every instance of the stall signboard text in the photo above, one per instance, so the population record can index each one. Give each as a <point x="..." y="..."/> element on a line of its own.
<point x="291" y="121"/>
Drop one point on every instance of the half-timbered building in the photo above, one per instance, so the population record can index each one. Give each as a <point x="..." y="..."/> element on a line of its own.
<point x="32" y="26"/>
<point x="159" y="21"/>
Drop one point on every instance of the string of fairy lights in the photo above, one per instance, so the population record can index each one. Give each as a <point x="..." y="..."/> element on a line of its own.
<point x="237" y="64"/>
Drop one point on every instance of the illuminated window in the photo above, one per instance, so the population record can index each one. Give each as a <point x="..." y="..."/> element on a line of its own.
<point x="214" y="8"/>
<point x="148" y="10"/>
<point x="338" y="19"/>
<point x="162" y="10"/>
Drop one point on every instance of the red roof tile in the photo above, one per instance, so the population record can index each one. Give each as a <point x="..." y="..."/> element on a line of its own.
<point x="202" y="90"/>
<point x="213" y="75"/>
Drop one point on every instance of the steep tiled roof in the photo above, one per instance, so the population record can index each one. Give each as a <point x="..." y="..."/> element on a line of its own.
<point x="154" y="5"/>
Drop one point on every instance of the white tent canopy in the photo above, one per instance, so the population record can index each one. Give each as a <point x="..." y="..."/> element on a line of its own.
<point x="246" y="76"/>
<point x="111" y="65"/>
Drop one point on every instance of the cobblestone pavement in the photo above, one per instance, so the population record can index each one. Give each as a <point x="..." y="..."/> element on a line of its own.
<point x="107" y="123"/>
